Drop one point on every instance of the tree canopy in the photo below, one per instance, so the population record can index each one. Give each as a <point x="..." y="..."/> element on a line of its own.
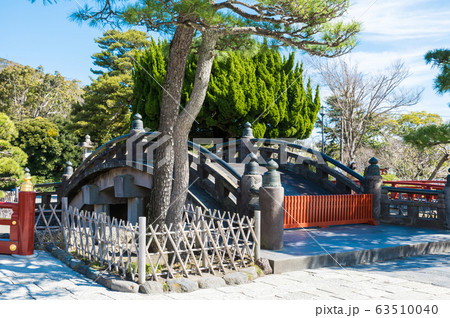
<point x="48" y="148"/>
<point x="359" y="100"/>
<point x="440" y="58"/>
<point x="12" y="159"/>
<point x="104" y="112"/>
<point x="27" y="92"/>
<point x="429" y="135"/>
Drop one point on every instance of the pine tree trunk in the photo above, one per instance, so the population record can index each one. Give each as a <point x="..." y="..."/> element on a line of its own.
<point x="170" y="103"/>
<point x="184" y="123"/>
<point x="439" y="165"/>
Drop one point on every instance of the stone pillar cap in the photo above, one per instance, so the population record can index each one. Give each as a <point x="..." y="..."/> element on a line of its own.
<point x="373" y="169"/>
<point x="137" y="123"/>
<point x="272" y="177"/>
<point x="251" y="168"/>
<point x="248" y="131"/>
<point x="68" y="170"/>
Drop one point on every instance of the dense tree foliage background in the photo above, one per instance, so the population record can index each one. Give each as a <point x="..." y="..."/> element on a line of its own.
<point x="27" y="92"/>
<point x="48" y="148"/>
<point x="12" y="158"/>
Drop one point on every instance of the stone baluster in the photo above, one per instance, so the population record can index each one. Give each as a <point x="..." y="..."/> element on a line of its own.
<point x="246" y="145"/>
<point x="373" y="183"/>
<point x="250" y="181"/>
<point x="67" y="173"/>
<point x="271" y="204"/>
<point x="136" y="156"/>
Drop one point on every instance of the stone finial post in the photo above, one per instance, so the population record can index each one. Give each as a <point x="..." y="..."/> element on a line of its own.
<point x="87" y="146"/>
<point x="135" y="145"/>
<point x="373" y="183"/>
<point x="68" y="169"/>
<point x="246" y="144"/>
<point x="137" y="125"/>
<point x="446" y="222"/>
<point x="251" y="179"/>
<point x="271" y="203"/>
<point x="68" y="172"/>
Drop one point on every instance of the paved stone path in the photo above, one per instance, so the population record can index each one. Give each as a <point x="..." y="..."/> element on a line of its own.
<point x="422" y="277"/>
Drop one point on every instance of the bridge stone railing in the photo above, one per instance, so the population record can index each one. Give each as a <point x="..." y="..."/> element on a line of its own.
<point x="215" y="176"/>
<point x="313" y="165"/>
<point x="416" y="207"/>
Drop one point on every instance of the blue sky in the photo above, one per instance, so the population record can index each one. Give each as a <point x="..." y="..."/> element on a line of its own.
<point x="34" y="34"/>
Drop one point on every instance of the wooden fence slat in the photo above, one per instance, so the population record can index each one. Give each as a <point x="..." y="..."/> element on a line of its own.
<point x="225" y="244"/>
<point x="175" y="248"/>
<point x="191" y="252"/>
<point x="215" y="248"/>
<point x="204" y="252"/>
<point x="161" y="252"/>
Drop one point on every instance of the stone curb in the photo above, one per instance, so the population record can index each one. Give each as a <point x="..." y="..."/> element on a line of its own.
<point x="107" y="280"/>
<point x="176" y="285"/>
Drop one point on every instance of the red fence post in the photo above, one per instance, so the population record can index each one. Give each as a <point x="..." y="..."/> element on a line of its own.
<point x="26" y="206"/>
<point x="26" y="223"/>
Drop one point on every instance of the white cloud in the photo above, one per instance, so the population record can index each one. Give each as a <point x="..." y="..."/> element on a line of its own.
<point x="395" y="20"/>
<point x="405" y="30"/>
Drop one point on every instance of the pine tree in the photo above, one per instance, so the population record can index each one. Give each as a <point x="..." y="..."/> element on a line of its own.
<point x="105" y="112"/>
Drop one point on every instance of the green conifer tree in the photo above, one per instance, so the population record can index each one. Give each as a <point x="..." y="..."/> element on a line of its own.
<point x="262" y="88"/>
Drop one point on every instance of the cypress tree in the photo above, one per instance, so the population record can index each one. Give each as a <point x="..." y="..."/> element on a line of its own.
<point x="263" y="89"/>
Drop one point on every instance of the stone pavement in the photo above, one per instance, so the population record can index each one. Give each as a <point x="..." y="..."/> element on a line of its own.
<point x="425" y="277"/>
<point x="351" y="245"/>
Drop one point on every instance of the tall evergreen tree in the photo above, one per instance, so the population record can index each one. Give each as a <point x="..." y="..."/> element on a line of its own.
<point x="105" y="112"/>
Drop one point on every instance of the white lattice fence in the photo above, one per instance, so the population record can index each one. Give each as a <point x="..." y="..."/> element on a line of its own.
<point x="205" y="242"/>
<point x="98" y="238"/>
<point x="48" y="225"/>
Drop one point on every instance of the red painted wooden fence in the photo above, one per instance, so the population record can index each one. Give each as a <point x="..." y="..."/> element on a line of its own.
<point x="21" y="225"/>
<point x="326" y="210"/>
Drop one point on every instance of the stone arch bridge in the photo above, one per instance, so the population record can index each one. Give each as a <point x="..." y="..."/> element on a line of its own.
<point x="117" y="177"/>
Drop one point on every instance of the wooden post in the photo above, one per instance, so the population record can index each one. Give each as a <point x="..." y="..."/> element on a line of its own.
<point x="64" y="220"/>
<point x="142" y="249"/>
<point x="26" y="223"/>
<point x="258" y="234"/>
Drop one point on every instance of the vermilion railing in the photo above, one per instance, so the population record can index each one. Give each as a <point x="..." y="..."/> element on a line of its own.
<point x="326" y="210"/>
<point x="415" y="184"/>
<point x="21" y="225"/>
